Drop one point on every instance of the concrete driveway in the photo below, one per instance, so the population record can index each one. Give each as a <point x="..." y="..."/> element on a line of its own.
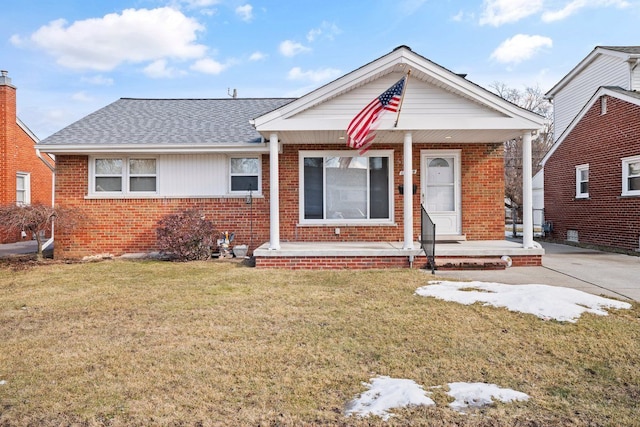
<point x="596" y="272"/>
<point x="19" y="248"/>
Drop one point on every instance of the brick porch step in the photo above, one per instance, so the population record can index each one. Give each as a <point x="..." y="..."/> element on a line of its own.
<point x="469" y="263"/>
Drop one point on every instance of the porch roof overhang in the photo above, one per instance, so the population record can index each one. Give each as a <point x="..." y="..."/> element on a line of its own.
<point x="423" y="130"/>
<point x="456" y="109"/>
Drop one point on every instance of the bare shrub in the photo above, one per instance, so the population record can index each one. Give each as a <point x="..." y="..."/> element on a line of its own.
<point x="186" y="236"/>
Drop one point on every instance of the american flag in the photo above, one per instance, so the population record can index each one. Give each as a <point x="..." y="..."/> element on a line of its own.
<point x="361" y="130"/>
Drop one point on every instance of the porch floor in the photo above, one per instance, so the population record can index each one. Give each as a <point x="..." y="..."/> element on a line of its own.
<point x="468" y="248"/>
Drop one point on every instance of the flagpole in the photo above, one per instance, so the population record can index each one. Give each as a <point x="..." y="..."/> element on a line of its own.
<point x="404" y="89"/>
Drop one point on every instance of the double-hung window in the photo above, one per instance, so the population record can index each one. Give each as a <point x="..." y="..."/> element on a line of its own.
<point x="244" y="174"/>
<point x="582" y="181"/>
<point x="23" y="189"/>
<point x="123" y="175"/>
<point x="341" y="187"/>
<point x="631" y="176"/>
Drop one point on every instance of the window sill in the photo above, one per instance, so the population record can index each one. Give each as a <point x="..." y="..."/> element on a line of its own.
<point x="348" y="224"/>
<point x="582" y="198"/>
<point x="158" y="196"/>
<point x="629" y="196"/>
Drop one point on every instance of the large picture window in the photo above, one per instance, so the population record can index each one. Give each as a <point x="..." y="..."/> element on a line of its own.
<point x="631" y="176"/>
<point x="340" y="188"/>
<point x="124" y="175"/>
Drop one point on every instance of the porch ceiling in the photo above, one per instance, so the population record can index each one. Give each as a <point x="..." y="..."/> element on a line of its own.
<point x="397" y="136"/>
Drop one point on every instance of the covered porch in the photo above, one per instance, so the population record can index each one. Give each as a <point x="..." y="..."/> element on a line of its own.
<point x="370" y="255"/>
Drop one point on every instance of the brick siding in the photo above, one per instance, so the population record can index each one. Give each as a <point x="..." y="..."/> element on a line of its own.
<point x="605" y="218"/>
<point x="18" y="155"/>
<point x="118" y="226"/>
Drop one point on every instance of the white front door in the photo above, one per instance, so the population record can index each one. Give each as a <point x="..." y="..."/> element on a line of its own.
<point x="440" y="189"/>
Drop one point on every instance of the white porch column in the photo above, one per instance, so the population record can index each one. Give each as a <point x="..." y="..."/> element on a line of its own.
<point x="527" y="192"/>
<point x="408" y="191"/>
<point x="274" y="190"/>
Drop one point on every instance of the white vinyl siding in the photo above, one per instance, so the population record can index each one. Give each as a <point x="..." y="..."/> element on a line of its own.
<point x="603" y="71"/>
<point x="177" y="175"/>
<point x="422" y="99"/>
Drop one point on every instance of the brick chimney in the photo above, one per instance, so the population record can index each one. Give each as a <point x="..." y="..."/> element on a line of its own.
<point x="7" y="134"/>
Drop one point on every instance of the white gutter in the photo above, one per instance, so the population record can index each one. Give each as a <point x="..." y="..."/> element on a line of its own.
<point x="83" y="149"/>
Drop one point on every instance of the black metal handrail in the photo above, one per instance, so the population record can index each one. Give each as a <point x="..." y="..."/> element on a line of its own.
<point x="428" y="238"/>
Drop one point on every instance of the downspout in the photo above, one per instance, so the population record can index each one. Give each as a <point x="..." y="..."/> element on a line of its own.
<point x="49" y="242"/>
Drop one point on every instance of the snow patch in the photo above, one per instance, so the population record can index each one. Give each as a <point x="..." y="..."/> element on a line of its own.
<point x="546" y="302"/>
<point x="386" y="393"/>
<point x="476" y="395"/>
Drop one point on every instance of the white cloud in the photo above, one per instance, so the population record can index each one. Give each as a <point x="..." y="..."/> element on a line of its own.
<point x="574" y="6"/>
<point x="135" y="36"/>
<point x="257" y="56"/>
<point x="290" y="48"/>
<point x="158" y="70"/>
<point x="520" y="48"/>
<point x="498" y="12"/>
<point x="245" y="12"/>
<point x="81" y="96"/>
<point x="326" y="29"/>
<point x="316" y="76"/>
<point x="98" y="80"/>
<point x="201" y="3"/>
<point x="209" y="66"/>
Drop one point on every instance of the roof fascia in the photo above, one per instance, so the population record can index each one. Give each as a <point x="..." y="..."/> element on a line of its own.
<point x="385" y="65"/>
<point x="85" y="149"/>
<point x="597" y="51"/>
<point x="600" y="92"/>
<point x="27" y="130"/>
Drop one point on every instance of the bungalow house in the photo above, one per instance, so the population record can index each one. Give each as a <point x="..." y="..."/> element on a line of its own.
<point x="279" y="174"/>
<point x="592" y="172"/>
<point x="25" y="177"/>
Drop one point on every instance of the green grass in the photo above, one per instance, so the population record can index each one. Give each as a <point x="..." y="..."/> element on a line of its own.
<point x="217" y="343"/>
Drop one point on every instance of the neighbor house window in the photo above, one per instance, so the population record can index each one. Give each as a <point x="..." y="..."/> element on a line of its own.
<point x="631" y="176"/>
<point x="124" y="175"/>
<point x="335" y="187"/>
<point x="244" y="174"/>
<point x="582" y="181"/>
<point x="23" y="189"/>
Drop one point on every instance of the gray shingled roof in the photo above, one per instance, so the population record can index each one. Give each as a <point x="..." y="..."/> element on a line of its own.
<point x="633" y="50"/>
<point x="169" y="121"/>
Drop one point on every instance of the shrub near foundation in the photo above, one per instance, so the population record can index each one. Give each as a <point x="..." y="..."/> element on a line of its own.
<point x="186" y="236"/>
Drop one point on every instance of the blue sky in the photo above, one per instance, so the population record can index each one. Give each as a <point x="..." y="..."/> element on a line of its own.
<point x="69" y="58"/>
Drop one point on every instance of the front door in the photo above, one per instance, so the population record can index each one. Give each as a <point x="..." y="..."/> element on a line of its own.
<point x="440" y="185"/>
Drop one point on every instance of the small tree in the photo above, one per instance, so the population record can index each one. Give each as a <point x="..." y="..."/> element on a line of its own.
<point x="36" y="219"/>
<point x="186" y="236"/>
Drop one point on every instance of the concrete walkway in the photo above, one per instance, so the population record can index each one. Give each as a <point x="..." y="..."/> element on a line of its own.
<point x="19" y="248"/>
<point x="596" y="272"/>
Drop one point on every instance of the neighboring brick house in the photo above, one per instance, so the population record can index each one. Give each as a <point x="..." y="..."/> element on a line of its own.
<point x="136" y="160"/>
<point x="592" y="172"/>
<point x="24" y="178"/>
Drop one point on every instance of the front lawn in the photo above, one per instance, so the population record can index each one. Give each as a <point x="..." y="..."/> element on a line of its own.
<point x="217" y="343"/>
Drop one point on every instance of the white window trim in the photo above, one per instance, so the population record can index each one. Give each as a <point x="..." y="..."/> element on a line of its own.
<point x="625" y="176"/>
<point x="125" y="193"/>
<point x="342" y="221"/>
<point x="579" y="169"/>
<point x="255" y="192"/>
<point x="27" y="188"/>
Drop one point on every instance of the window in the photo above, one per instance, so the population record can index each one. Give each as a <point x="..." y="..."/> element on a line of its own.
<point x="339" y="188"/>
<point x="631" y="176"/>
<point x="582" y="181"/>
<point x="124" y="175"/>
<point x="23" y="188"/>
<point x="245" y="174"/>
